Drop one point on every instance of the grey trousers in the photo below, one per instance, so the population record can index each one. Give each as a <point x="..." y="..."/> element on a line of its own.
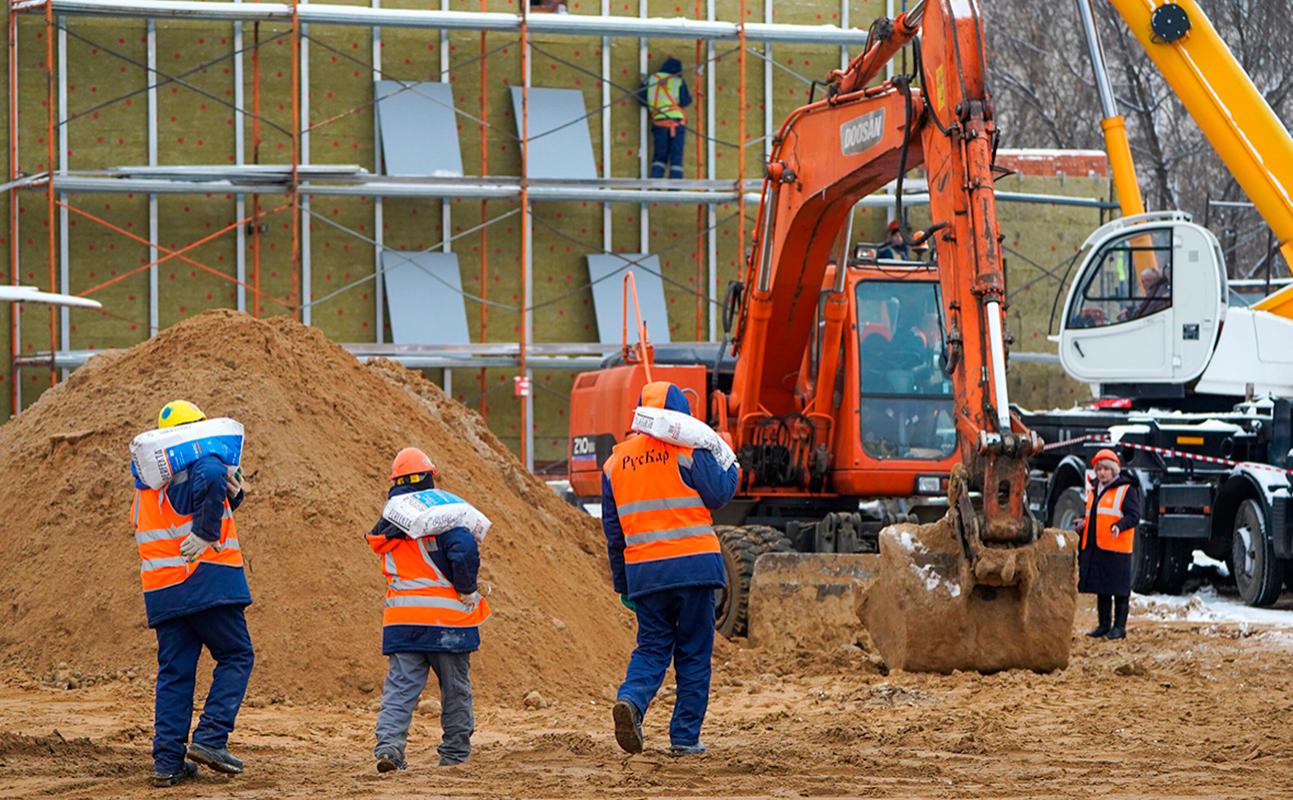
<point x="405" y="680"/>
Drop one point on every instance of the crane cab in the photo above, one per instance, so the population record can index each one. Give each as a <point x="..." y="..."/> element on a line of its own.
<point x="1147" y="305"/>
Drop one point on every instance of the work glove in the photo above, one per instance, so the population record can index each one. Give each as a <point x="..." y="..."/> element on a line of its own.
<point x="194" y="545"/>
<point x="470" y="600"/>
<point x="629" y="604"/>
<point x="233" y="484"/>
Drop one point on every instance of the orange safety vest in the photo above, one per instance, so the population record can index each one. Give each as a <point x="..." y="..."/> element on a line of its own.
<point x="417" y="593"/>
<point x="1107" y="513"/>
<point x="661" y="516"/>
<point x="159" y="529"/>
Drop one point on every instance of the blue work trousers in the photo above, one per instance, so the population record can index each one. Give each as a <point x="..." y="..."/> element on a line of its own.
<point x="667" y="150"/>
<point x="674" y="625"/>
<point x="223" y="631"/>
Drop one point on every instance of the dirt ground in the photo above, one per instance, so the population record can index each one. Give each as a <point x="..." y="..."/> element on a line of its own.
<point x="1180" y="709"/>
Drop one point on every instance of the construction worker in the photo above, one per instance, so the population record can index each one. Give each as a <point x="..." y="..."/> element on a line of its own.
<point x="430" y="622"/>
<point x="665" y="95"/>
<point x="894" y="247"/>
<point x="1108" y="532"/>
<point x="665" y="565"/>
<point x="195" y="592"/>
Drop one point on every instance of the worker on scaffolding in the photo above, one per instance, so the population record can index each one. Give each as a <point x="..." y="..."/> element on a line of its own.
<point x="665" y="95"/>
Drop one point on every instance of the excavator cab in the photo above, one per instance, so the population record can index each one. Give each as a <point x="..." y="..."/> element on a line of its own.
<point x="1146" y="306"/>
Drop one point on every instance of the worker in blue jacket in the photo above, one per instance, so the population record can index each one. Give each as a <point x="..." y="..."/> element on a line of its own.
<point x="665" y="565"/>
<point x="195" y="591"/>
<point x="430" y="623"/>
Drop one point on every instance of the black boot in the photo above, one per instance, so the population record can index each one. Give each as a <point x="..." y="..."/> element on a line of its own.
<point x="1120" y="608"/>
<point x="1104" y="610"/>
<point x="219" y="760"/>
<point x="628" y="726"/>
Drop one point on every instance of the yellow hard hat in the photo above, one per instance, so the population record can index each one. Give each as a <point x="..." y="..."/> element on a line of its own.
<point x="179" y="412"/>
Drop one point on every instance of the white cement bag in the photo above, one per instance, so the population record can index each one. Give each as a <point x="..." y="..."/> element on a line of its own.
<point x="157" y="455"/>
<point x="684" y="430"/>
<point x="432" y="512"/>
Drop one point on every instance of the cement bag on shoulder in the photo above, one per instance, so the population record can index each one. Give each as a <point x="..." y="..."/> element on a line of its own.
<point x="431" y="512"/>
<point x="684" y="430"/>
<point x="157" y="455"/>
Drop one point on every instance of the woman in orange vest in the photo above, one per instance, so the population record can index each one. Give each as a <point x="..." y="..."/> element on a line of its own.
<point x="1108" y="532"/>
<point x="430" y="622"/>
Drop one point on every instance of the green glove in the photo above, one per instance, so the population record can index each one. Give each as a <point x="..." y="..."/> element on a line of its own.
<point x="629" y="604"/>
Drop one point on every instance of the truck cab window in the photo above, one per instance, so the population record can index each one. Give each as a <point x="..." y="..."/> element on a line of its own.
<point x="1132" y="279"/>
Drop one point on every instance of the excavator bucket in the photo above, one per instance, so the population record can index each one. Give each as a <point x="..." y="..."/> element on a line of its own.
<point x="937" y="605"/>
<point x="808" y="600"/>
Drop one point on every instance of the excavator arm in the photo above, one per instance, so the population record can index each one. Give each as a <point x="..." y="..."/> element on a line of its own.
<point x="983" y="589"/>
<point x="826" y="157"/>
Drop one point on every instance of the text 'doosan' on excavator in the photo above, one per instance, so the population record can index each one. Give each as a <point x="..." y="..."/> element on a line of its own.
<point x="847" y="390"/>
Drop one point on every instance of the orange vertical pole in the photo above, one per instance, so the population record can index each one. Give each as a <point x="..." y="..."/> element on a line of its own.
<point x="51" y="205"/>
<point x="14" y="313"/>
<point x="740" y="143"/>
<point x="255" y="159"/>
<point x="525" y="222"/>
<point x="294" y="297"/>
<point x="484" y="205"/>
<point x="699" y="93"/>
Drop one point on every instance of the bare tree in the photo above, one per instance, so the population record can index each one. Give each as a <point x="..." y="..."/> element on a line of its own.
<point x="1045" y="97"/>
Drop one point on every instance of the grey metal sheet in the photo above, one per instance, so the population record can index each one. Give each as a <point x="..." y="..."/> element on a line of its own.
<point x="419" y="129"/>
<point x="606" y="271"/>
<point x="560" y="145"/>
<point x="424" y="295"/>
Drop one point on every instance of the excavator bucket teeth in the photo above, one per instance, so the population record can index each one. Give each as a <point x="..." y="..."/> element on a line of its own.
<point x="808" y="600"/>
<point x="930" y="609"/>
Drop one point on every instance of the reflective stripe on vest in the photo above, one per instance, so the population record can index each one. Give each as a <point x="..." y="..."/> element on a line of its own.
<point x="1107" y="512"/>
<point x="159" y="529"/>
<point x="660" y="515"/>
<point x="663" y="89"/>
<point x="417" y="593"/>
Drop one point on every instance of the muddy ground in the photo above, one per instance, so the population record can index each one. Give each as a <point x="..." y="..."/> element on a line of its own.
<point x="1178" y="710"/>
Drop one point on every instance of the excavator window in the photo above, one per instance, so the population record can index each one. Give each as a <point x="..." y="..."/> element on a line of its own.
<point x="906" y="397"/>
<point x="1131" y="280"/>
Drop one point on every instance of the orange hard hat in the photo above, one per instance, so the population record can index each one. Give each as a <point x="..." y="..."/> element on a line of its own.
<point x="412" y="461"/>
<point x="1107" y="455"/>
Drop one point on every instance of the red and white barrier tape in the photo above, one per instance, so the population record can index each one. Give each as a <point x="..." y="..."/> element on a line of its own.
<point x="1166" y="452"/>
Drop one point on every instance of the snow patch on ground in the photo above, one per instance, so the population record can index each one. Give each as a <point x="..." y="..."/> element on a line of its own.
<point x="1059" y="538"/>
<point x="1206" y="605"/>
<point x="932" y="581"/>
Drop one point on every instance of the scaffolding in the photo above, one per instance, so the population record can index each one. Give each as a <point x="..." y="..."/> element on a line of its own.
<point x="300" y="180"/>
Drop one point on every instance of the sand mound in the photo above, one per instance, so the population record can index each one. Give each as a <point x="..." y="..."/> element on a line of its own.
<point x="321" y="430"/>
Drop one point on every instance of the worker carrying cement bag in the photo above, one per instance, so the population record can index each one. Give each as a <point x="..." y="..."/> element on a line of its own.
<point x="684" y="430"/>
<point x="433" y="611"/>
<point x="158" y="455"/>
<point x="431" y="512"/>
<point x="195" y="589"/>
<point x="666" y="563"/>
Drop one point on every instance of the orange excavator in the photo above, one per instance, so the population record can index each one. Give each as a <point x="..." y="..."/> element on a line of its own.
<point x="859" y="392"/>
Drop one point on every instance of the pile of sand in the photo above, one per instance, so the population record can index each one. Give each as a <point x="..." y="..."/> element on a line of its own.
<point x="321" y="431"/>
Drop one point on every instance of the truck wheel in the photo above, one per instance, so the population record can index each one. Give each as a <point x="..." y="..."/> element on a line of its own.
<point x="1069" y="507"/>
<point x="1146" y="558"/>
<point x="1258" y="573"/>
<point x="741" y="547"/>
<point x="1176" y="557"/>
